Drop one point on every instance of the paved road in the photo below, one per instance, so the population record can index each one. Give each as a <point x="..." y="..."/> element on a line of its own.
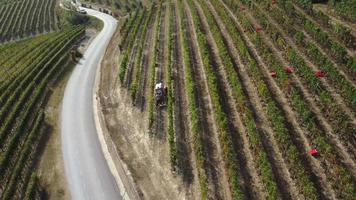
<point x="86" y="169"/>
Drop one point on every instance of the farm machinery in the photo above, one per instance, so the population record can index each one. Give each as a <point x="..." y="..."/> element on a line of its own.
<point x="75" y="54"/>
<point x="160" y="95"/>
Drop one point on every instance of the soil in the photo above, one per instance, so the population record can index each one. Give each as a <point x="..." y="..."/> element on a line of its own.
<point x="325" y="83"/>
<point x="245" y="158"/>
<point x="50" y="166"/>
<point x="131" y="63"/>
<point x="145" y="65"/>
<point x="281" y="170"/>
<point x="182" y="21"/>
<point x="217" y="176"/>
<point x="343" y="70"/>
<point x="349" y="51"/>
<point x="302" y="141"/>
<point x="302" y="136"/>
<point x="146" y="152"/>
<point x="309" y="97"/>
<point x="145" y="155"/>
<point x="160" y="123"/>
<point x="326" y="10"/>
<point x="181" y="128"/>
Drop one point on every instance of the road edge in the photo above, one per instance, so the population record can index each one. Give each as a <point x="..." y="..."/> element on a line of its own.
<point x="116" y="165"/>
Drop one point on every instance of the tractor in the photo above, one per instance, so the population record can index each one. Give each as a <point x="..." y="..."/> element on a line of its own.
<point x="160" y="95"/>
<point x="75" y="53"/>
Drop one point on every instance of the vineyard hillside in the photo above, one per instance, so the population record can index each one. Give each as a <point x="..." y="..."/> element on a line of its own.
<point x="122" y="5"/>
<point x="24" y="18"/>
<point x="30" y="70"/>
<point x="260" y="99"/>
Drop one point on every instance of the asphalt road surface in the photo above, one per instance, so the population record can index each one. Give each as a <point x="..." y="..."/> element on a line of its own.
<point x="86" y="169"/>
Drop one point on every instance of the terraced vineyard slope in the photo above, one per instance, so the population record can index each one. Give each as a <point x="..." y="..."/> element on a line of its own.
<point x="126" y="5"/>
<point x="253" y="86"/>
<point x="28" y="73"/>
<point x="24" y="18"/>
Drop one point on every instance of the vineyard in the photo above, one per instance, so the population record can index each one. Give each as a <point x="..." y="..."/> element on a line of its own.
<point x="29" y="71"/>
<point x="253" y="87"/>
<point x="118" y="4"/>
<point x="24" y="18"/>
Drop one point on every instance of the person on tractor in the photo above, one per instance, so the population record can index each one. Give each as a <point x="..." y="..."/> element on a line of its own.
<point x="160" y="94"/>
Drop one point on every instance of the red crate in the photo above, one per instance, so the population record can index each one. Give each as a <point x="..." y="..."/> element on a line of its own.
<point x="258" y="29"/>
<point x="314" y="152"/>
<point x="289" y="69"/>
<point x="319" y="73"/>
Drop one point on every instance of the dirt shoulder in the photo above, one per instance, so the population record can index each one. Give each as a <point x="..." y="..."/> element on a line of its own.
<point x="50" y="166"/>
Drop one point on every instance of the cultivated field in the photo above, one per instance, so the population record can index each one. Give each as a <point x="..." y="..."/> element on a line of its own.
<point x="253" y="86"/>
<point x="23" y="18"/>
<point x="29" y="71"/>
<point x="126" y="5"/>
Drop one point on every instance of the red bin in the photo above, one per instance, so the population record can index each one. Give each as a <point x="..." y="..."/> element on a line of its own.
<point x="258" y="29"/>
<point x="289" y="69"/>
<point x="319" y="73"/>
<point x="313" y="152"/>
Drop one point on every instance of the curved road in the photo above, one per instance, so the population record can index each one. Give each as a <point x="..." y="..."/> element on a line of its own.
<point x="86" y="169"/>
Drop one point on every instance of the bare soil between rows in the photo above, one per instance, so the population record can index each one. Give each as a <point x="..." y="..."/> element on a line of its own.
<point x="146" y="157"/>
